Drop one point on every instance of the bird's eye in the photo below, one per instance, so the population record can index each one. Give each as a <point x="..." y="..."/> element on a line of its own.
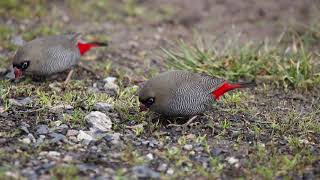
<point x="150" y="101"/>
<point x="24" y="65"/>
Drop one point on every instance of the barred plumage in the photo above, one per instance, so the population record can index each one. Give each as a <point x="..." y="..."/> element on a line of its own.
<point x="180" y="93"/>
<point x="53" y="54"/>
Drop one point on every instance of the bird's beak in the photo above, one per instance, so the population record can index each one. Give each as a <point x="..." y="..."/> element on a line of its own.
<point x="143" y="107"/>
<point x="17" y="73"/>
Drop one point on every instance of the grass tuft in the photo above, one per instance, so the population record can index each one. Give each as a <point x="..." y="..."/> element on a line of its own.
<point x="291" y="66"/>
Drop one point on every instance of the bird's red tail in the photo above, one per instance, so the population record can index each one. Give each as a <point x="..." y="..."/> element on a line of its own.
<point x="84" y="47"/>
<point x="225" y="87"/>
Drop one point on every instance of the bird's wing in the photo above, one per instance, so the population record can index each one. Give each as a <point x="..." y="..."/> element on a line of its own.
<point x="59" y="52"/>
<point x="209" y="83"/>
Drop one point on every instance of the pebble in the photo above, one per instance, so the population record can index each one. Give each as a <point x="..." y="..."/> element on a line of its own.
<point x="188" y="147"/>
<point x="72" y="132"/>
<point x="42" y="130"/>
<point x="68" y="158"/>
<point x="110" y="84"/>
<point x="145" y="172"/>
<point x="63" y="129"/>
<point x="233" y="161"/>
<point x="40" y="140"/>
<point x="170" y="171"/>
<point x="85" y="135"/>
<point x="20" y="101"/>
<point x="57" y="123"/>
<point x="150" y="156"/>
<point x="53" y="154"/>
<point x="113" y="138"/>
<point x="100" y="106"/>
<point x="1" y="109"/>
<point x="26" y="140"/>
<point x="162" y="167"/>
<point x="17" y="40"/>
<point x="99" y="121"/>
<point x="56" y="137"/>
<point x="24" y="127"/>
<point x="60" y="108"/>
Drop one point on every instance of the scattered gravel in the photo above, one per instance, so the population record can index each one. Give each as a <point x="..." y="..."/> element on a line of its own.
<point x="145" y="172"/>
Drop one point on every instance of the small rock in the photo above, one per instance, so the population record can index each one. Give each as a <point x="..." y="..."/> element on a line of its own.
<point x="24" y="127"/>
<point x="56" y="137"/>
<point x="72" y="132"/>
<point x="53" y="154"/>
<point x="57" y="123"/>
<point x="20" y="102"/>
<point x="29" y="173"/>
<point x="187" y="147"/>
<point x="85" y="135"/>
<point x="216" y="151"/>
<point x="10" y="73"/>
<point x="63" y="129"/>
<point x="113" y="138"/>
<point x="42" y="130"/>
<point x="233" y="161"/>
<point x="162" y="167"/>
<point x="88" y="167"/>
<point x="170" y="171"/>
<point x="150" y="156"/>
<point x="43" y="153"/>
<point x="60" y="108"/>
<point x="33" y="140"/>
<point x="1" y="109"/>
<point x="3" y="141"/>
<point x="99" y="121"/>
<point x="110" y="84"/>
<point x="100" y="106"/>
<point x="17" y="40"/>
<point x="40" y="140"/>
<point x="68" y="158"/>
<point x="26" y="140"/>
<point x="145" y="172"/>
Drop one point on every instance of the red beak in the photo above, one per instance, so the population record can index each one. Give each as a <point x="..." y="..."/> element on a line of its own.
<point x="17" y="73"/>
<point x="143" y="107"/>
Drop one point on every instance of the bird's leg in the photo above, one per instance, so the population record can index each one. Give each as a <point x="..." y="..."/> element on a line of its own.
<point x="185" y="124"/>
<point x="68" y="77"/>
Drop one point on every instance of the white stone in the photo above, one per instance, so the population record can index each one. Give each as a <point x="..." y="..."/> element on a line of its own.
<point x="26" y="140"/>
<point x="110" y="83"/>
<point x="60" y="108"/>
<point x="150" y="156"/>
<point x="233" y="161"/>
<point x="72" y="132"/>
<point x="53" y="154"/>
<point x="84" y="136"/>
<point x="188" y="147"/>
<point x="99" y="121"/>
<point x="170" y="171"/>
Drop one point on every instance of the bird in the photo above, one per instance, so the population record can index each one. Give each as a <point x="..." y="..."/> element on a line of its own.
<point x="179" y="93"/>
<point x="50" y="55"/>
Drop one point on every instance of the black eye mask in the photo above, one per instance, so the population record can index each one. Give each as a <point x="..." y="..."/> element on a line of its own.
<point x="23" y="66"/>
<point x="148" y="102"/>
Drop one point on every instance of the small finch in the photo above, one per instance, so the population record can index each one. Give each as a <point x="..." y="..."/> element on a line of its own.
<point x="50" y="55"/>
<point x="181" y="93"/>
